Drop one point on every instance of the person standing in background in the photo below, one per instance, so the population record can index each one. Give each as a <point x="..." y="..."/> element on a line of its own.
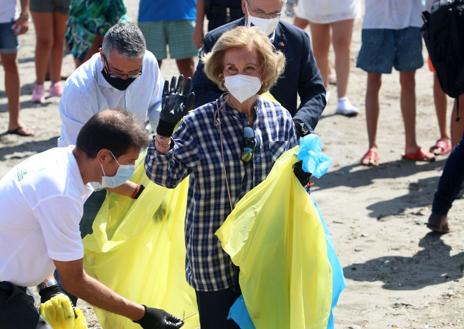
<point x="218" y="13"/>
<point x="170" y="24"/>
<point x="50" y="18"/>
<point x="88" y="22"/>
<point x="331" y="20"/>
<point x="10" y="28"/>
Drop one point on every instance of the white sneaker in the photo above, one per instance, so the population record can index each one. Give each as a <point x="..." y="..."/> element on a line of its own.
<point x="344" y="107"/>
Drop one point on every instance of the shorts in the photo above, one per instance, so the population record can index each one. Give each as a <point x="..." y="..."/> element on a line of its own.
<point x="8" y="40"/>
<point x="383" y="49"/>
<point x="175" y="35"/>
<point x="50" y="6"/>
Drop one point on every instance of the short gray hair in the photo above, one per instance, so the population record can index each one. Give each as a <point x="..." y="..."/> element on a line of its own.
<point x="126" y="38"/>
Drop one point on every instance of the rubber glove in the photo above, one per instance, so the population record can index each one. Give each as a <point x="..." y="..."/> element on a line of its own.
<point x="158" y="319"/>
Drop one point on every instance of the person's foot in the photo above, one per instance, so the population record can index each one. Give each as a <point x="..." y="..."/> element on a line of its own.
<point x="438" y="223"/>
<point x="419" y="155"/>
<point x="56" y="89"/>
<point x="441" y="147"/>
<point x="371" y="157"/>
<point x="344" y="107"/>
<point x="20" y="131"/>
<point x="38" y="94"/>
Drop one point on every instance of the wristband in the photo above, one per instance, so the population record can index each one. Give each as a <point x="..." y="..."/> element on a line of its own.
<point x="47" y="283"/>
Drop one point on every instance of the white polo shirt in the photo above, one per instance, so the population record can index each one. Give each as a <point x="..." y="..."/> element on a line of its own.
<point x="86" y="92"/>
<point x="41" y="205"/>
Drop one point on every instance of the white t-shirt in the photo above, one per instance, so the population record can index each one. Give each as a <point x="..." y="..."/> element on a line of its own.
<point x="327" y="11"/>
<point x="41" y="205"/>
<point x="393" y="14"/>
<point x="86" y="92"/>
<point x="7" y="10"/>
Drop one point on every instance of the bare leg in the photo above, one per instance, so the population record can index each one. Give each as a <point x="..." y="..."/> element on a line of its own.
<point x="341" y="39"/>
<point x="439" y="98"/>
<point x="300" y="22"/>
<point x="408" y="109"/>
<point x="43" y="23"/>
<point x="92" y="50"/>
<point x="12" y="89"/>
<point x="374" y="82"/>
<point x="186" y="66"/>
<point x="59" y="27"/>
<point x="320" y="34"/>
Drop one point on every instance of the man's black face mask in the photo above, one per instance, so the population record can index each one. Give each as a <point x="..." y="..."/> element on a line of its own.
<point x="118" y="83"/>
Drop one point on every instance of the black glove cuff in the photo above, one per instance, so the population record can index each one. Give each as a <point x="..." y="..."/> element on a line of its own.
<point x="141" y="321"/>
<point x="303" y="177"/>
<point x="301" y="128"/>
<point x="49" y="292"/>
<point x="165" y="128"/>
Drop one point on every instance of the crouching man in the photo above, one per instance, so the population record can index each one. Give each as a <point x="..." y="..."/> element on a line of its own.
<point x="41" y="204"/>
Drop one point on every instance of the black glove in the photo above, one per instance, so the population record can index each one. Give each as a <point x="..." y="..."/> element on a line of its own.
<point x="158" y="319"/>
<point x="178" y="99"/>
<point x="302" y="175"/>
<point x="49" y="292"/>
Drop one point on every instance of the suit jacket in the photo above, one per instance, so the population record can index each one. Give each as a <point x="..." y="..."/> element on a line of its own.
<point x="301" y="76"/>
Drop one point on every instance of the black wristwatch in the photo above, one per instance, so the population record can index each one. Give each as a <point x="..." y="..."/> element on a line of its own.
<point x="301" y="128"/>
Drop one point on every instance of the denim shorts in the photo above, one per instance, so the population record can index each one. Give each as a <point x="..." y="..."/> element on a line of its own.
<point x="50" y="6"/>
<point x="8" y="40"/>
<point x="383" y="49"/>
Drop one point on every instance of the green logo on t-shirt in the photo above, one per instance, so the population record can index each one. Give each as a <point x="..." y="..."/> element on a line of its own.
<point x="20" y="174"/>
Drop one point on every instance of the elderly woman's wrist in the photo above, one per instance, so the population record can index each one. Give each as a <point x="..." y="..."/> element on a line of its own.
<point x="162" y="143"/>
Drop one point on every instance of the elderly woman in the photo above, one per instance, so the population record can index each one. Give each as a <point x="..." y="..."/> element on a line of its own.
<point x="227" y="147"/>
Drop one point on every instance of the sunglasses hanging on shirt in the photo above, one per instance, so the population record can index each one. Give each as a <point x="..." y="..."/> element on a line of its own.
<point x="249" y="144"/>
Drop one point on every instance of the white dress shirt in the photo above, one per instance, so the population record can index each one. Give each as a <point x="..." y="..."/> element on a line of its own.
<point x="86" y="92"/>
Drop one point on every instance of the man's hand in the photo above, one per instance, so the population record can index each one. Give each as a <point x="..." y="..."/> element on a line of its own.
<point x="302" y="175"/>
<point x="178" y="99"/>
<point x="21" y="25"/>
<point x="158" y="319"/>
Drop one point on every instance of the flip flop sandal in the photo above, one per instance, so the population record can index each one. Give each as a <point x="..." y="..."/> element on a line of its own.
<point x="419" y="155"/>
<point x="20" y="131"/>
<point x="371" y="158"/>
<point x="441" y="147"/>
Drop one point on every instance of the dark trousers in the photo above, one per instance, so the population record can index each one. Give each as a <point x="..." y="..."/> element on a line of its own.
<point x="451" y="180"/>
<point x="219" y="15"/>
<point x="17" y="310"/>
<point x="213" y="308"/>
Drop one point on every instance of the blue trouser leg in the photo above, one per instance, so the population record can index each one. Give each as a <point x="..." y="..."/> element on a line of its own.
<point x="451" y="181"/>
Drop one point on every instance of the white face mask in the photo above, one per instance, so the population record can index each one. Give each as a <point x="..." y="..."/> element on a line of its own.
<point x="242" y="87"/>
<point x="123" y="173"/>
<point x="266" y="25"/>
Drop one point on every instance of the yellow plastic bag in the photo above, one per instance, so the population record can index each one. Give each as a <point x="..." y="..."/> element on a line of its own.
<point x="137" y="248"/>
<point x="276" y="238"/>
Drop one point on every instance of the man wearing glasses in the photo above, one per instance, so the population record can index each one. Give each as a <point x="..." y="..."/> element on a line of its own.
<point x="301" y="76"/>
<point x="123" y="75"/>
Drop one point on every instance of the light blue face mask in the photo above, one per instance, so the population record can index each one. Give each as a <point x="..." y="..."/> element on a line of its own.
<point x="122" y="175"/>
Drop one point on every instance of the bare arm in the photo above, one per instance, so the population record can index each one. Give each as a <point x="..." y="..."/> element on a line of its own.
<point x="77" y="282"/>
<point x="198" y="34"/>
<point x="127" y="189"/>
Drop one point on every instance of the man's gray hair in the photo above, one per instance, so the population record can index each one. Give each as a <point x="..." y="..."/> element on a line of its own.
<point x="126" y="38"/>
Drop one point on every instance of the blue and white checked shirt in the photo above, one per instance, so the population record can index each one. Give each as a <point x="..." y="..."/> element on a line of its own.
<point x="197" y="152"/>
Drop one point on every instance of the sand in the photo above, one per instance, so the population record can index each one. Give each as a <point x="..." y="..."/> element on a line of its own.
<point x="398" y="275"/>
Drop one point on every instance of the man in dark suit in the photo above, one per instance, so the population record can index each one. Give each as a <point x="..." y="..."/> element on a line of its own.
<point x="301" y="76"/>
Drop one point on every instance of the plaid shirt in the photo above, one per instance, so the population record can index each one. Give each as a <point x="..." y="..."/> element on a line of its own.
<point x="197" y="152"/>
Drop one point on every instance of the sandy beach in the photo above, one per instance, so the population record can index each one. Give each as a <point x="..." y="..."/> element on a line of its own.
<point x="398" y="275"/>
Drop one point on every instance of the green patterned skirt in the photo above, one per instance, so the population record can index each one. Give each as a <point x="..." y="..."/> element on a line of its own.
<point x="87" y="18"/>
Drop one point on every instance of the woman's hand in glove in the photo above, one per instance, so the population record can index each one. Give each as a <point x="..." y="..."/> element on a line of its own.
<point x="178" y="99"/>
